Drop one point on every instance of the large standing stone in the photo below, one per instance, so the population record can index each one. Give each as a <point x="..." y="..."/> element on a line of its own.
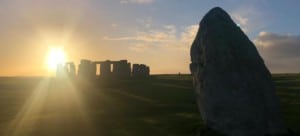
<point x="234" y="88"/>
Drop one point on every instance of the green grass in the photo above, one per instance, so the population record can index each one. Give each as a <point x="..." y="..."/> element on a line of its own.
<point x="163" y="105"/>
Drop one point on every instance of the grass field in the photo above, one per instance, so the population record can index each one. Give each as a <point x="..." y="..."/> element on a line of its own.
<point x="163" y="105"/>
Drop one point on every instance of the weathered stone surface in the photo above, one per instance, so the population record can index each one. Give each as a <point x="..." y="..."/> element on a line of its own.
<point x="234" y="89"/>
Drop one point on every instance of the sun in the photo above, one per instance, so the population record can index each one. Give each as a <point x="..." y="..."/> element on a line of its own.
<point x="55" y="56"/>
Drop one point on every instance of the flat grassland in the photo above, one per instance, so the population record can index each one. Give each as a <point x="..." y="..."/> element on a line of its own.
<point x="163" y="105"/>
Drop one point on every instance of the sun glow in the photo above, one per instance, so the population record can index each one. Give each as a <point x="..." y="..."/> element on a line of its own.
<point x="55" y="56"/>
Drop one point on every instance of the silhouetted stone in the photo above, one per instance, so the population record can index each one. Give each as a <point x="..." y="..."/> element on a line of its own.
<point x="234" y="88"/>
<point x="108" y="69"/>
<point x="147" y="71"/>
<point x="105" y="68"/>
<point x="70" y="69"/>
<point x="66" y="71"/>
<point x="140" y="70"/>
<point x="135" y="70"/>
<point x="121" y="69"/>
<point x="86" y="69"/>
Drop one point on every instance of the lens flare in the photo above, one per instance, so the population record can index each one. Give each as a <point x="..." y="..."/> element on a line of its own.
<point x="55" y="56"/>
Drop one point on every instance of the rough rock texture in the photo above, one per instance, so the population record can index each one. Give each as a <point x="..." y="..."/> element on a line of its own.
<point x="234" y="89"/>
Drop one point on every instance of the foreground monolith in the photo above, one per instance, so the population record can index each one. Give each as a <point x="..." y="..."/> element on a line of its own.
<point x="234" y="88"/>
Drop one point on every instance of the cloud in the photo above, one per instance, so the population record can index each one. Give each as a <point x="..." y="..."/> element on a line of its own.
<point x="152" y="36"/>
<point x="166" y="37"/>
<point x="242" y="21"/>
<point x="114" y="26"/>
<point x="189" y="34"/>
<point x="145" y="22"/>
<point x="281" y="52"/>
<point x="248" y="18"/>
<point x="139" y="47"/>
<point x="137" y="1"/>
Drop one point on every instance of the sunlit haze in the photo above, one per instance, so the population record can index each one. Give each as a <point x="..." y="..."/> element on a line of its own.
<point x="55" y="56"/>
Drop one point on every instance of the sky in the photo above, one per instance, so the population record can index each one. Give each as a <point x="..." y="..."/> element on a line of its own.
<point x="158" y="33"/>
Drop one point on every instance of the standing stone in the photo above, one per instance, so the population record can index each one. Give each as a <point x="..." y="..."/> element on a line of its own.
<point x="87" y="69"/>
<point x="105" y="68"/>
<point x="147" y="71"/>
<point x="140" y="71"/>
<point x="135" y="70"/>
<point x="72" y="71"/>
<point x="234" y="88"/>
<point x="121" y="69"/>
<point x="69" y="70"/>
